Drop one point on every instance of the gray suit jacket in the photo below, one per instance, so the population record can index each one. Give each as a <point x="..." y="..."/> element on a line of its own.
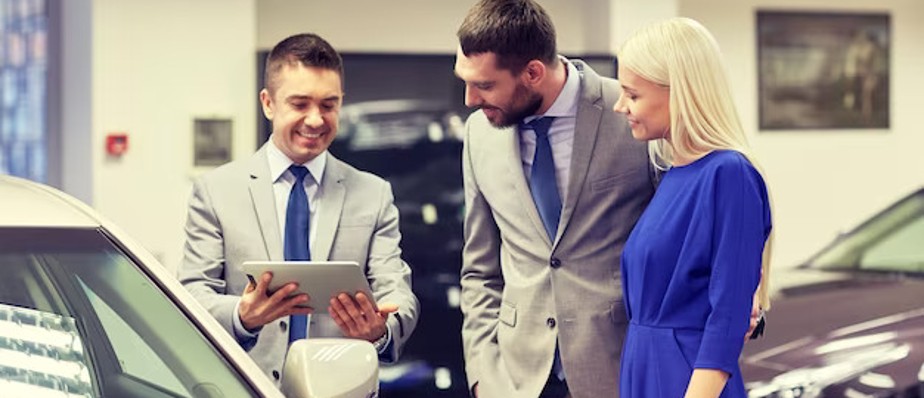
<point x="520" y="291"/>
<point x="232" y="219"/>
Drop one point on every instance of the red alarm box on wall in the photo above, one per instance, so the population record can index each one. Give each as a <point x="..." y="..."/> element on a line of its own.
<point x="116" y="144"/>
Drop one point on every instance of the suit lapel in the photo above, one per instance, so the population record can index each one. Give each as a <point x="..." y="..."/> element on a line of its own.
<point x="509" y="143"/>
<point x="333" y="194"/>
<point x="587" y="125"/>
<point x="264" y="204"/>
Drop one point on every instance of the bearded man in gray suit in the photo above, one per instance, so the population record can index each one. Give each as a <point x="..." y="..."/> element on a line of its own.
<point x="547" y="212"/>
<point x="245" y="211"/>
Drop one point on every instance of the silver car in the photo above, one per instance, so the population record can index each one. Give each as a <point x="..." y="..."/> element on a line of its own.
<point x="85" y="311"/>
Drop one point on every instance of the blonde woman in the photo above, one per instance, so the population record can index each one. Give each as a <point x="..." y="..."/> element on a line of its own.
<point x="692" y="264"/>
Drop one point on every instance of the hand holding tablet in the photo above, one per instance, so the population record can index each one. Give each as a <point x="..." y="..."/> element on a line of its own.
<point x="321" y="280"/>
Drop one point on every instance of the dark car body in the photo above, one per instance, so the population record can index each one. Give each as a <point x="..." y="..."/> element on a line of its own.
<point x="851" y="321"/>
<point x="417" y="146"/>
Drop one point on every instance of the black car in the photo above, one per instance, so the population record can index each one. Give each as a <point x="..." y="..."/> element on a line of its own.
<point x="853" y="324"/>
<point x="417" y="146"/>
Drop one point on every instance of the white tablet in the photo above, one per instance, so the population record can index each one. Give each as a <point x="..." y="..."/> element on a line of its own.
<point x="320" y="279"/>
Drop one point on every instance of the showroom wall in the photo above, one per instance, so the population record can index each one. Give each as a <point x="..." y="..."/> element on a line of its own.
<point x="414" y="26"/>
<point x="823" y="182"/>
<point x="826" y="181"/>
<point x="157" y="66"/>
<point x="75" y="103"/>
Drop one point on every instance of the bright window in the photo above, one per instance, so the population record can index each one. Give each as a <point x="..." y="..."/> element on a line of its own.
<point x="23" y="88"/>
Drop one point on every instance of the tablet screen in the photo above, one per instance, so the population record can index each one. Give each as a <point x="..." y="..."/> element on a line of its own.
<point x="321" y="280"/>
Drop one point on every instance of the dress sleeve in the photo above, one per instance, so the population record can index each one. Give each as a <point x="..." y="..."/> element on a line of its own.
<point x="742" y="224"/>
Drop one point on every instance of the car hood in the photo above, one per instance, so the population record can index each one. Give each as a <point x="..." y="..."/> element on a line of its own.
<point x="839" y="332"/>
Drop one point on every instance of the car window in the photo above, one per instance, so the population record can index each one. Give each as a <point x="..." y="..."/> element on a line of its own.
<point x="901" y="250"/>
<point x="137" y="358"/>
<point x="41" y="352"/>
<point x="397" y="124"/>
<point x="889" y="241"/>
<point x="400" y="130"/>
<point x="128" y="336"/>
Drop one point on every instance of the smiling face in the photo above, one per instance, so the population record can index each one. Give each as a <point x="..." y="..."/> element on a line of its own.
<point x="504" y="98"/>
<point x="304" y="107"/>
<point x="646" y="106"/>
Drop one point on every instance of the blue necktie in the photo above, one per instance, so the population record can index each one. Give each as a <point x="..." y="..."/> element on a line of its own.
<point x="542" y="183"/>
<point x="544" y="188"/>
<point x="296" y="240"/>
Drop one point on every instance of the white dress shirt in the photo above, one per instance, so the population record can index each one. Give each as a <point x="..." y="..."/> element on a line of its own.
<point x="282" y="186"/>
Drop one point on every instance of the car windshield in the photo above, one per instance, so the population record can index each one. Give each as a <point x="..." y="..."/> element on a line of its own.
<point x="891" y="242"/>
<point x="79" y="318"/>
<point x="397" y="124"/>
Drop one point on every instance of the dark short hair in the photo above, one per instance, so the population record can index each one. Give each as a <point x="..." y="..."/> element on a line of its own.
<point x="516" y="31"/>
<point x="307" y="49"/>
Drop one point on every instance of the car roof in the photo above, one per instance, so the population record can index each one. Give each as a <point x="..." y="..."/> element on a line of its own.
<point x="29" y="204"/>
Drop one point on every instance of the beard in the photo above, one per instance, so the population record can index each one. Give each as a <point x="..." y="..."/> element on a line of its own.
<point x="523" y="104"/>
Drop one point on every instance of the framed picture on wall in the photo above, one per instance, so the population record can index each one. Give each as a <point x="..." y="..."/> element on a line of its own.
<point x="821" y="70"/>
<point x="211" y="142"/>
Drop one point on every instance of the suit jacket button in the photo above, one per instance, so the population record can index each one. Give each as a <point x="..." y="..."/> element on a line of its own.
<point x="555" y="262"/>
<point x="282" y="325"/>
<point x="550" y="322"/>
<point x="276" y="374"/>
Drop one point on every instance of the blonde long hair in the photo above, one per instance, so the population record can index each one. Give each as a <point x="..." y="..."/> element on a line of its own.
<point x="681" y="54"/>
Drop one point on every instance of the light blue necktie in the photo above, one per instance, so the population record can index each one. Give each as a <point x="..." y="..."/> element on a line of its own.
<point x="296" y="240"/>
<point x="544" y="188"/>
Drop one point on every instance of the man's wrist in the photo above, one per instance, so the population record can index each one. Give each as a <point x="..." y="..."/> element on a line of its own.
<point x="254" y="330"/>
<point x="240" y="330"/>
<point x="380" y="343"/>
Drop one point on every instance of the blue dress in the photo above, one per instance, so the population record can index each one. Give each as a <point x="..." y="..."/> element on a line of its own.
<point x="689" y="271"/>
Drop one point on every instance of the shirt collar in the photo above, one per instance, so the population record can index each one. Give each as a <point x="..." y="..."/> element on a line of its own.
<point x="566" y="103"/>
<point x="279" y="163"/>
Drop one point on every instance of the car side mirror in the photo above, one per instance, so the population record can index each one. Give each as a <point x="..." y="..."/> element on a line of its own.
<point x="331" y="368"/>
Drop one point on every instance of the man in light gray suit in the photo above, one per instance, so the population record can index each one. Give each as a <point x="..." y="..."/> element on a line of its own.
<point x="541" y="294"/>
<point x="293" y="193"/>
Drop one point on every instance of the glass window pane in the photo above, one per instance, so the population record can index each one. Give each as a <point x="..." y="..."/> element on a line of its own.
<point x="137" y="341"/>
<point x="41" y="353"/>
<point x="901" y="251"/>
<point x="23" y="91"/>
<point x="848" y="252"/>
<point x="136" y="357"/>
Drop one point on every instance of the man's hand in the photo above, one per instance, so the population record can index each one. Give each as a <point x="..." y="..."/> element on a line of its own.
<point x="357" y="317"/>
<point x="258" y="309"/>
